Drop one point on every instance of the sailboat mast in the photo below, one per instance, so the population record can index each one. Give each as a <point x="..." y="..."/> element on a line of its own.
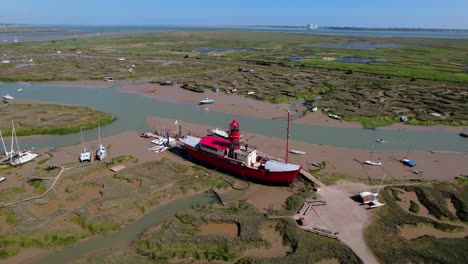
<point x="16" y="138"/>
<point x="82" y="140"/>
<point x="4" y="147"/>
<point x="287" y="139"/>
<point x="380" y="186"/>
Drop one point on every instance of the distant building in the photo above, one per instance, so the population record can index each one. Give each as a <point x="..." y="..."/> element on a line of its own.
<point x="311" y="27"/>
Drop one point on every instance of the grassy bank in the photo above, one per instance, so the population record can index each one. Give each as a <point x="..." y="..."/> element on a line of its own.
<point x="49" y="119"/>
<point x="180" y="238"/>
<point x="385" y="239"/>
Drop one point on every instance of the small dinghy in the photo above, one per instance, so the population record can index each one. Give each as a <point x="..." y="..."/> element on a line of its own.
<point x="408" y="162"/>
<point x="373" y="162"/>
<point x="318" y="165"/>
<point x="418" y="172"/>
<point x="299" y="152"/>
<point x="206" y="101"/>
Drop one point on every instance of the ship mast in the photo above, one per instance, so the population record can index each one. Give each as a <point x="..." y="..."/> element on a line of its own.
<point x="287" y="139"/>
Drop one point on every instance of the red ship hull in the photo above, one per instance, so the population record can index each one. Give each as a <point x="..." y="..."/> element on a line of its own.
<point x="231" y="165"/>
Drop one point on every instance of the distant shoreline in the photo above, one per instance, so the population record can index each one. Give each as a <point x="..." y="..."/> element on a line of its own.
<point x="401" y="29"/>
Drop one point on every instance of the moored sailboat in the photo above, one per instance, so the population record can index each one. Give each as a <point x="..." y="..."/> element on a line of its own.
<point x="101" y="152"/>
<point x="17" y="157"/>
<point x="84" y="155"/>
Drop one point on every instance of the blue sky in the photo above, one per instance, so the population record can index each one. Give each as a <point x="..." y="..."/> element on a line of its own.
<point x="360" y="13"/>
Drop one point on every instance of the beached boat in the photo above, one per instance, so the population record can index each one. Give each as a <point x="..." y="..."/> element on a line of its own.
<point x="403" y="119"/>
<point x="408" y="162"/>
<point x="5" y="61"/>
<point x="8" y="97"/>
<point x="121" y="59"/>
<point x="373" y="162"/>
<point x="84" y="155"/>
<point x="250" y="92"/>
<point x="2" y="179"/>
<point x="101" y="152"/>
<point x="317" y="164"/>
<point x="314" y="109"/>
<point x="109" y="79"/>
<point x="371" y="198"/>
<point x="17" y="157"/>
<point x="418" y="172"/>
<point x="245" y="161"/>
<point x="337" y="117"/>
<point x="166" y="83"/>
<point x="299" y="152"/>
<point x="206" y="101"/>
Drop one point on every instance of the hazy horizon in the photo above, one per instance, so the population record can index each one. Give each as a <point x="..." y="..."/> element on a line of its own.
<point x="433" y="14"/>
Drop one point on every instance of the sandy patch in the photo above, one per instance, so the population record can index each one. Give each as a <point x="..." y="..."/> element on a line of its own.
<point x="138" y="45"/>
<point x="27" y="255"/>
<point x="412" y="232"/>
<point x="47" y="209"/>
<point x="82" y="196"/>
<point x="223" y="229"/>
<point x="329" y="58"/>
<point x="451" y="207"/>
<point x="277" y="248"/>
<point x="265" y="197"/>
<point x="3" y="224"/>
<point x="406" y="197"/>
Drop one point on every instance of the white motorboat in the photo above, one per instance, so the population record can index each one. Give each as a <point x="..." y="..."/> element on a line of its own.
<point x="299" y="152"/>
<point x="337" y="117"/>
<point x="19" y="90"/>
<point x="418" y="172"/>
<point x="84" y="155"/>
<point x="373" y="162"/>
<point x="2" y="179"/>
<point x="17" y="157"/>
<point x="101" y="152"/>
<point x="5" y="61"/>
<point x="121" y="59"/>
<point x="380" y="140"/>
<point x="218" y="132"/>
<point x="206" y="101"/>
<point x="109" y="79"/>
<point x="314" y="109"/>
<point x="8" y="97"/>
<point x="250" y="92"/>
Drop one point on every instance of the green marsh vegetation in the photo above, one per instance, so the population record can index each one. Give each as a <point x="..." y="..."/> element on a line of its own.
<point x="384" y="234"/>
<point x="41" y="119"/>
<point x="179" y="238"/>
<point x="416" y="77"/>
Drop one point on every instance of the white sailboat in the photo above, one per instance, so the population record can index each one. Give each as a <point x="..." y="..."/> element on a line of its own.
<point x="17" y="157"/>
<point x="84" y="155"/>
<point x="371" y="198"/>
<point x="101" y="152"/>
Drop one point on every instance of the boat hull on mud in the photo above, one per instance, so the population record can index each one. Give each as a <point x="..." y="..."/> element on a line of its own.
<point x="252" y="174"/>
